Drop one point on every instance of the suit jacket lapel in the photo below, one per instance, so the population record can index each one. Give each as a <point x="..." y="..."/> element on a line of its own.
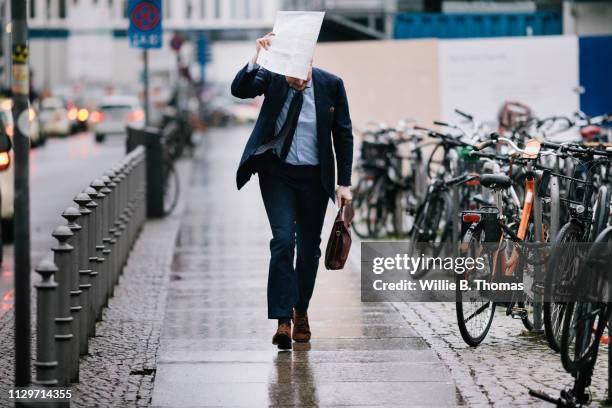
<point x="283" y="91"/>
<point x="318" y="94"/>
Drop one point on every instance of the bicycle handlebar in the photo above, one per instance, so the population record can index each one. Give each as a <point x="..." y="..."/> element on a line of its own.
<point x="465" y="115"/>
<point x="446" y="138"/>
<point x="484" y="145"/>
<point x="440" y="123"/>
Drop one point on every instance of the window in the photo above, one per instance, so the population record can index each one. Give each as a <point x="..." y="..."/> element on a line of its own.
<point x="202" y="9"/>
<point x="124" y="7"/>
<point x="166" y="7"/>
<point x="188" y="9"/>
<point x="32" y="8"/>
<point x="217" y="9"/>
<point x="62" y="9"/>
<point x="239" y="9"/>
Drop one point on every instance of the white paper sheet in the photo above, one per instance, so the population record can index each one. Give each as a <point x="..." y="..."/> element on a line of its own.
<point x="293" y="45"/>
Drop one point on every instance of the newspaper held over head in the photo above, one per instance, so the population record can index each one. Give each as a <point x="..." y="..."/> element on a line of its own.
<point x="293" y="45"/>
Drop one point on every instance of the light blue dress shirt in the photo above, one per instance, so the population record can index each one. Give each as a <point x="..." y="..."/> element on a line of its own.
<point x="304" y="148"/>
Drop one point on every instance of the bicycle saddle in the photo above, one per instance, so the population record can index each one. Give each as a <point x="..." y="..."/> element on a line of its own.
<point x="495" y="181"/>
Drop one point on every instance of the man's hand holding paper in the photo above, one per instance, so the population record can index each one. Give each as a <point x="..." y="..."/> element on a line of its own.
<point x="289" y="49"/>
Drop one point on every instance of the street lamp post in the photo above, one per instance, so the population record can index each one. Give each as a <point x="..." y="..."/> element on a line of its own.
<point x="20" y="85"/>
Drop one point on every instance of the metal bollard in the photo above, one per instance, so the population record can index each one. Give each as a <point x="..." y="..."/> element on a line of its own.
<point x="129" y="209"/>
<point x="46" y="301"/>
<point x="92" y="258"/>
<point x="118" y="196"/>
<point x="107" y="238"/>
<point x="84" y="272"/>
<point x="71" y="215"/>
<point x="97" y="185"/>
<point x="122" y="225"/>
<point x="143" y="188"/>
<point x="63" y="319"/>
<point x="111" y="229"/>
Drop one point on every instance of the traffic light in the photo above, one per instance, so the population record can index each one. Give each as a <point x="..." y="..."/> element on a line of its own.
<point x="203" y="50"/>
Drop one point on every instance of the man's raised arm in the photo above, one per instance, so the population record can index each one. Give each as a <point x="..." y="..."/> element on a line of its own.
<point x="251" y="81"/>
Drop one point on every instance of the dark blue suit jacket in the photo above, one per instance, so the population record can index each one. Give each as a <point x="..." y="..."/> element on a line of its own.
<point x="333" y="119"/>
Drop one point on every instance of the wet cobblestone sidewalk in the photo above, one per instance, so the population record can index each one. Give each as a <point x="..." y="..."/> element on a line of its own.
<point x="501" y="370"/>
<point x="216" y="342"/>
<point x="120" y="369"/>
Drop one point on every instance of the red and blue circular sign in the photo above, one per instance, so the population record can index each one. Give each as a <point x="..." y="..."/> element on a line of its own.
<point x="145" y="16"/>
<point x="145" y="29"/>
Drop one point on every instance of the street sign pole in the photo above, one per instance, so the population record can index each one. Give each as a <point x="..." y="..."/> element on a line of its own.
<point x="144" y="32"/>
<point x="20" y="85"/>
<point x="145" y="59"/>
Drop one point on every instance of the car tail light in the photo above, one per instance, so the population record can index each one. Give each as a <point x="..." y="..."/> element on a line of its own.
<point x="97" y="117"/>
<point x="471" y="217"/>
<point x="5" y="161"/>
<point x="136" y="115"/>
<point x="73" y="113"/>
<point x="8" y="129"/>
<point x="83" y="114"/>
<point x="7" y="104"/>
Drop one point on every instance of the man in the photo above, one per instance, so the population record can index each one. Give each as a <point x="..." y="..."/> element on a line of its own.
<point x="291" y="150"/>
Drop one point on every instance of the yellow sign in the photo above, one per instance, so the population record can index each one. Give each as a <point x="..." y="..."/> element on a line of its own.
<point x="20" y="54"/>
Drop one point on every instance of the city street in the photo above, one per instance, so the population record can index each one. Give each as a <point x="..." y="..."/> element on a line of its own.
<point x="343" y="203"/>
<point x="58" y="171"/>
<point x="187" y="325"/>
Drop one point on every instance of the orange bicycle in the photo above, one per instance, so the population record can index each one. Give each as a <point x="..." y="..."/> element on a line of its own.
<point x="487" y="234"/>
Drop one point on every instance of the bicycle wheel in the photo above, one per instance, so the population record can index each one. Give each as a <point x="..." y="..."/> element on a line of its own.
<point x="430" y="230"/>
<point x="474" y="310"/>
<point x="377" y="208"/>
<point x="403" y="211"/>
<point x="361" y="206"/>
<point x="171" y="188"/>
<point x="436" y="159"/>
<point x="601" y="212"/>
<point x="585" y="320"/>
<point x="533" y="259"/>
<point x="561" y="259"/>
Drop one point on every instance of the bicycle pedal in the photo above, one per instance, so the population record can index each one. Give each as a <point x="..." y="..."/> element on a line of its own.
<point x="518" y="313"/>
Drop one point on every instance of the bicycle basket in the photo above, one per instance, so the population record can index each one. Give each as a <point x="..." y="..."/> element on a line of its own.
<point x="371" y="151"/>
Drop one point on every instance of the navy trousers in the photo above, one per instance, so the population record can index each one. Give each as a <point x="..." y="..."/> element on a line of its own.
<point x="295" y="202"/>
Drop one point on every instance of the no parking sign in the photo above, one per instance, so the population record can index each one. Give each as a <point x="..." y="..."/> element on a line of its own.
<point x="145" y="29"/>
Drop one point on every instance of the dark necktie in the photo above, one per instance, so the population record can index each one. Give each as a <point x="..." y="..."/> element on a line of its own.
<point x="288" y="130"/>
<point x="281" y="143"/>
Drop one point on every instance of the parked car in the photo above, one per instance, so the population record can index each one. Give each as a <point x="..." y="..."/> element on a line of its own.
<point x="114" y="114"/>
<point x="54" y="117"/>
<point x="79" y="115"/>
<point x="36" y="136"/>
<point x="7" y="184"/>
<point x="6" y="106"/>
<point x="245" y="111"/>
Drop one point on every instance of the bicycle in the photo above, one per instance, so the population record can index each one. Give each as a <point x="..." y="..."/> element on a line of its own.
<point x="586" y="221"/>
<point x="588" y="323"/>
<point x="383" y="193"/>
<point x="486" y="234"/>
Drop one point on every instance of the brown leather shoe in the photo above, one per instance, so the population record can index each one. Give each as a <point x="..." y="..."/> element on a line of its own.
<point x="282" y="337"/>
<point x="301" y="328"/>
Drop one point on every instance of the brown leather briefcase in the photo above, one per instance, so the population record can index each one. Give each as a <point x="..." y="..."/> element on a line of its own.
<point x="339" y="242"/>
